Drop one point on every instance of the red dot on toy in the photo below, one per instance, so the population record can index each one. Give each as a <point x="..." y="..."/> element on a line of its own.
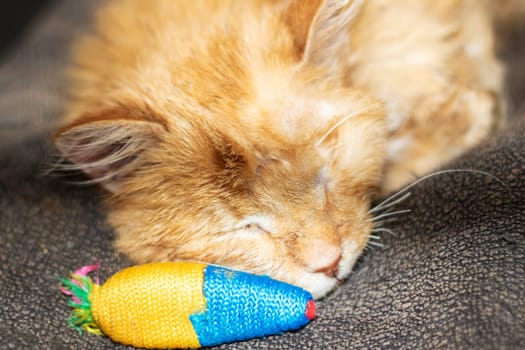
<point x="311" y="310"/>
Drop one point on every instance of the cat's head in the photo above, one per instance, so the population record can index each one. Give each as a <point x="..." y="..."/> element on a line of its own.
<point x="252" y="154"/>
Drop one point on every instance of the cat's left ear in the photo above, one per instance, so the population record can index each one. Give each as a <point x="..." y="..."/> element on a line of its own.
<point x="321" y="29"/>
<point x="107" y="143"/>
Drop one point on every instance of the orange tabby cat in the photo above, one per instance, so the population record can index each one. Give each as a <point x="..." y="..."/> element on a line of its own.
<point x="254" y="134"/>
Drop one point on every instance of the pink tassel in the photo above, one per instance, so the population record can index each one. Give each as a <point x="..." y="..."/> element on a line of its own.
<point x="85" y="270"/>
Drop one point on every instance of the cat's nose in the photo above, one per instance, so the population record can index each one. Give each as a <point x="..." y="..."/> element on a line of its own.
<point x="326" y="260"/>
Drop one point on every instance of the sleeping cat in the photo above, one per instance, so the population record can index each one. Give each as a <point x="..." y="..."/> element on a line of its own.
<point x="255" y="133"/>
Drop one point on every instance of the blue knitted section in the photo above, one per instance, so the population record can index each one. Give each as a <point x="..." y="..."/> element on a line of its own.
<point x="242" y="306"/>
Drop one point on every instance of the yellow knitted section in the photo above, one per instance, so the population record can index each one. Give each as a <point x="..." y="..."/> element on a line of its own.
<point x="149" y="305"/>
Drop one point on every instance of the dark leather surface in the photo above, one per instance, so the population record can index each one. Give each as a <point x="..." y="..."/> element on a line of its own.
<point x="453" y="276"/>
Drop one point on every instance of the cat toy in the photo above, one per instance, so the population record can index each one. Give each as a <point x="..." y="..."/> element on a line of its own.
<point x="184" y="305"/>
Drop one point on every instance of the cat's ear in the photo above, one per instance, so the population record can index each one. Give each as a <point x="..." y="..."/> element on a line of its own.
<point x="107" y="143"/>
<point x="321" y="28"/>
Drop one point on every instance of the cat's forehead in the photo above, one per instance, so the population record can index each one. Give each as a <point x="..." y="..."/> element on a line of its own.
<point x="299" y="114"/>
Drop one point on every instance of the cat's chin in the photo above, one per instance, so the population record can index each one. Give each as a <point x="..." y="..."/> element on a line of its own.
<point x="318" y="284"/>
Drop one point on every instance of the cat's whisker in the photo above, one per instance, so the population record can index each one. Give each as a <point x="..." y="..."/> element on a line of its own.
<point x="390" y="202"/>
<point x="375" y="244"/>
<point x="374" y="237"/>
<point x="388" y="214"/>
<point x="402" y="194"/>
<point x="383" y="229"/>
<point x="338" y="124"/>
<point x="444" y="172"/>
<point x="381" y="223"/>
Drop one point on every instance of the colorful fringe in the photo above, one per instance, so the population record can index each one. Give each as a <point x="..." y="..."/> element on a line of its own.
<point x="79" y="287"/>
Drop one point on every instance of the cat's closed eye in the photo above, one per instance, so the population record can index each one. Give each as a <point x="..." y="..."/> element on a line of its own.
<point x="255" y="228"/>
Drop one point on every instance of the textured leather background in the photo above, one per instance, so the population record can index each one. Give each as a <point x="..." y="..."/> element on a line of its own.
<point x="452" y="277"/>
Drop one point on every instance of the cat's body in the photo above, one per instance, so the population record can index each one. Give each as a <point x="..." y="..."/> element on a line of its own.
<point x="254" y="134"/>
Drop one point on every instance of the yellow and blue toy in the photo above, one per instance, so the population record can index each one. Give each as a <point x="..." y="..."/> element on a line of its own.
<point x="184" y="305"/>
